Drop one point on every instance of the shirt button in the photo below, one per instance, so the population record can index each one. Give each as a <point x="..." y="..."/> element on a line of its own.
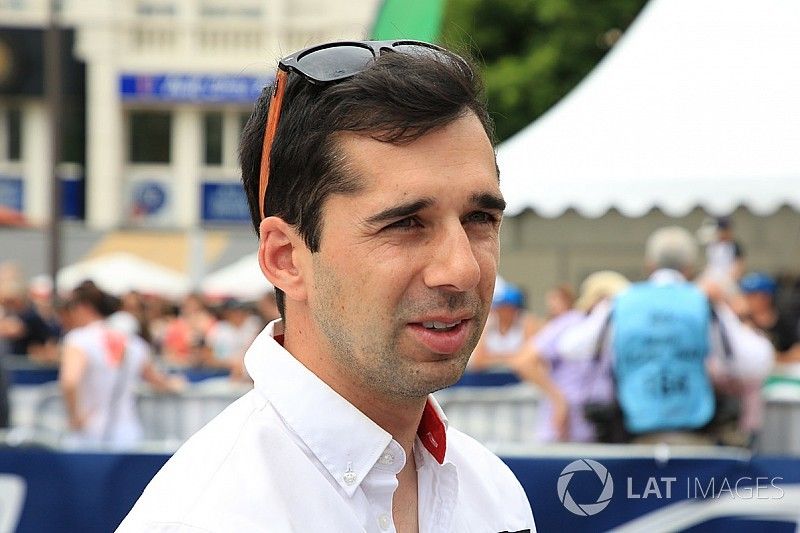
<point x="384" y="522"/>
<point x="350" y="477"/>
<point x="386" y="459"/>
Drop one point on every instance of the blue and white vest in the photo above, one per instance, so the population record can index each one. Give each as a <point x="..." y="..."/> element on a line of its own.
<point x="660" y="345"/>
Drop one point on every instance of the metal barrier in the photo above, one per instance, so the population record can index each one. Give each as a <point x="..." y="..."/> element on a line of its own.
<point x="176" y="417"/>
<point x="38" y="412"/>
<point x="496" y="416"/>
<point x="493" y="414"/>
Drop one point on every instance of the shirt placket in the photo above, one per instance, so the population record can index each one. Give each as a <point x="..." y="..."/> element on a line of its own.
<point x="438" y="495"/>
<point x="379" y="487"/>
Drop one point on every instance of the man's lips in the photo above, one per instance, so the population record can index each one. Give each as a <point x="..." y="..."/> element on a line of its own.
<point x="441" y="335"/>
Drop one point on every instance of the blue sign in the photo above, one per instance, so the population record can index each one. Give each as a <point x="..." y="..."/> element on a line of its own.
<point x="43" y="491"/>
<point x="149" y="198"/>
<point x="72" y="198"/>
<point x="673" y="494"/>
<point x="191" y="87"/>
<point x="224" y="202"/>
<point x="11" y="192"/>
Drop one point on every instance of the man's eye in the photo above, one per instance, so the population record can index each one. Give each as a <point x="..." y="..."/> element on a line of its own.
<point x="481" y="217"/>
<point x="404" y="223"/>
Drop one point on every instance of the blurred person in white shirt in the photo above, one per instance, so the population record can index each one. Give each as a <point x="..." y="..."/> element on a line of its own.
<point x="101" y="368"/>
<point x="508" y="328"/>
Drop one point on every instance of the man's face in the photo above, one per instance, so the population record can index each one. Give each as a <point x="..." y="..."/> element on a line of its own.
<point x="403" y="279"/>
<point x="758" y="302"/>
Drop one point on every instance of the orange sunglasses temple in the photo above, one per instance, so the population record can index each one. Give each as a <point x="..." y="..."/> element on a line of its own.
<point x="273" y="117"/>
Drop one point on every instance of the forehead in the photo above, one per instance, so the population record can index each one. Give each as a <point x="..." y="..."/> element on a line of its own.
<point x="457" y="158"/>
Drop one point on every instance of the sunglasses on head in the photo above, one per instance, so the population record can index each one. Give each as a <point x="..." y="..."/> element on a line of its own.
<point x="325" y="64"/>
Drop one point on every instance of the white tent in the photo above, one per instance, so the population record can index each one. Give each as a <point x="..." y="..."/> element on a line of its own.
<point x="242" y="280"/>
<point x="697" y="105"/>
<point x="119" y="273"/>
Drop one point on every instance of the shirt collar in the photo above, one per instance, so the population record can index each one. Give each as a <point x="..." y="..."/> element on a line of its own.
<point x="344" y="440"/>
<point x="663" y="276"/>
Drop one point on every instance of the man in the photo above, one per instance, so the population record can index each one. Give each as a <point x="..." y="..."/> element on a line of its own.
<point x="100" y="370"/>
<point x="28" y="334"/>
<point x="725" y="260"/>
<point x="662" y="335"/>
<point x="378" y="210"/>
<point x="759" y="291"/>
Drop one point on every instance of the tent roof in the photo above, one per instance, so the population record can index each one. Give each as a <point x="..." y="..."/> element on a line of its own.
<point x="697" y="105"/>
<point x="118" y="273"/>
<point x="242" y="279"/>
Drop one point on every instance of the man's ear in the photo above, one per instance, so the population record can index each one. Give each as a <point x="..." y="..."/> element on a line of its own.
<point x="280" y="250"/>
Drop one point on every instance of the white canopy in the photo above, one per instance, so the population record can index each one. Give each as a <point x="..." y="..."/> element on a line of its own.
<point x="119" y="273"/>
<point x="242" y="280"/>
<point x="697" y="105"/>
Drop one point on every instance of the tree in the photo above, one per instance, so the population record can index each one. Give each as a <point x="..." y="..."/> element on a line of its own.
<point x="533" y="52"/>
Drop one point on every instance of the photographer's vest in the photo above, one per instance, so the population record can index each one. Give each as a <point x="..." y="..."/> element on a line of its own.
<point x="660" y="345"/>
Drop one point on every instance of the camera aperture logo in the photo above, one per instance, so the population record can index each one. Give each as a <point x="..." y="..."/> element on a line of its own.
<point x="585" y="509"/>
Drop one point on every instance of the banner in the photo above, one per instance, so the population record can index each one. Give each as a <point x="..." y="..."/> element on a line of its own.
<point x="71" y="491"/>
<point x="671" y="494"/>
<point x="209" y="88"/>
<point x="224" y="202"/>
<point x="43" y="491"/>
<point x="11" y="192"/>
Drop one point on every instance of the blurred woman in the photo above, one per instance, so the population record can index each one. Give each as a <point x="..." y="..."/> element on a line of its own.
<point x="567" y="385"/>
<point x="507" y="330"/>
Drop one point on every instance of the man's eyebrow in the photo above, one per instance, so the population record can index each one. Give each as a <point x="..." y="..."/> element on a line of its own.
<point x="489" y="201"/>
<point x="400" y="211"/>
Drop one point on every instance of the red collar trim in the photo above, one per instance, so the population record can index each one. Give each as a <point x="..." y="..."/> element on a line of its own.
<point x="431" y="430"/>
<point x="432" y="433"/>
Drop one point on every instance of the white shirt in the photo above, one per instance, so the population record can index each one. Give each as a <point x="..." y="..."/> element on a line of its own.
<point x="752" y="353"/>
<point x="293" y="455"/>
<point x="508" y="343"/>
<point x="109" y="384"/>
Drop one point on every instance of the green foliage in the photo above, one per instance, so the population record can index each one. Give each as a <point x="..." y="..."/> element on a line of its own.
<point x="533" y="52"/>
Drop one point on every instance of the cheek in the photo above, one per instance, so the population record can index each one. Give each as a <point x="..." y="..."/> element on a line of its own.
<point x="487" y="257"/>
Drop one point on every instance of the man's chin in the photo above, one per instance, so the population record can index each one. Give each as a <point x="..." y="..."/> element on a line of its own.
<point x="440" y="375"/>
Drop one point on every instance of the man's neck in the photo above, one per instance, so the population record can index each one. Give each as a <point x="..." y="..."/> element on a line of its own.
<point x="400" y="417"/>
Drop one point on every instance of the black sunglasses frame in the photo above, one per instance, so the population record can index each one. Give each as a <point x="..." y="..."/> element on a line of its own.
<point x="293" y="62"/>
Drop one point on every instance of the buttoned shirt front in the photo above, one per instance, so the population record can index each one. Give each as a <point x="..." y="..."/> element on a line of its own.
<point x="293" y="455"/>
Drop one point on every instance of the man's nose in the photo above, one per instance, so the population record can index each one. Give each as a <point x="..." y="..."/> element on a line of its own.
<point x="453" y="263"/>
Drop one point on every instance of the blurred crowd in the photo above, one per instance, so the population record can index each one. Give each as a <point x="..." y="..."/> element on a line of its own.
<point x="611" y="361"/>
<point x="196" y="332"/>
<point x="105" y="346"/>
<point x="573" y="354"/>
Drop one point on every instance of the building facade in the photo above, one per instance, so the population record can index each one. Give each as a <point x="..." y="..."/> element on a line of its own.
<point x="168" y="85"/>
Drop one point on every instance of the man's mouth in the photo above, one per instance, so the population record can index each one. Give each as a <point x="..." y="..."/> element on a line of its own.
<point x="444" y="337"/>
<point x="441" y="326"/>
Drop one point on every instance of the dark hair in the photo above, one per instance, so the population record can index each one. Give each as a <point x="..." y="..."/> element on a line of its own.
<point x="87" y="293"/>
<point x="398" y="99"/>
